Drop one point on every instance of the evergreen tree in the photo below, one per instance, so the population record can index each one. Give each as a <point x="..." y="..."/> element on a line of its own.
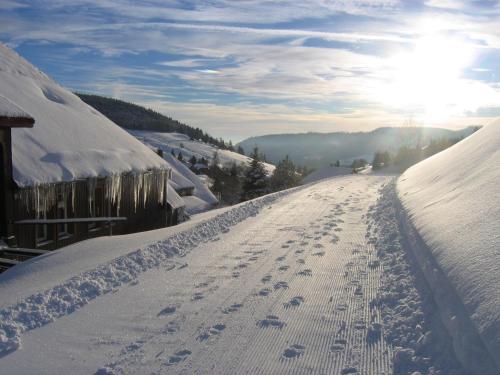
<point x="285" y="175"/>
<point x="173" y="153"/>
<point x="180" y="157"/>
<point x="255" y="181"/>
<point x="241" y="150"/>
<point x="217" y="175"/>
<point x="193" y="160"/>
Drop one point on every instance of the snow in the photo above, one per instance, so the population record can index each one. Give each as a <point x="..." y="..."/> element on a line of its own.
<point x="69" y="140"/>
<point x="326" y="172"/>
<point x="452" y="200"/>
<point x="172" y="141"/>
<point x="202" y="199"/>
<point x="310" y="280"/>
<point x="9" y="109"/>
<point x="173" y="198"/>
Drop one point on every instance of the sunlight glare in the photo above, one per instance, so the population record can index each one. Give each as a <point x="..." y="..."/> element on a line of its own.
<point x="429" y="79"/>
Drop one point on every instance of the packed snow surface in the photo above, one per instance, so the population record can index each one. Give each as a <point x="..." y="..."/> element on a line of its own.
<point x="452" y="199"/>
<point x="70" y="139"/>
<point x="181" y="143"/>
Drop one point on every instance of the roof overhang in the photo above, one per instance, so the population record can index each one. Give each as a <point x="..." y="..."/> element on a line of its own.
<point x="16" y="122"/>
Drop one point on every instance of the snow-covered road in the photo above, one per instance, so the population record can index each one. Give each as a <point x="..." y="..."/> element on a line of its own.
<point x="289" y="290"/>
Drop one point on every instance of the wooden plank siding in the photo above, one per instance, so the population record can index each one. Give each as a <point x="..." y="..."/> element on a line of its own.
<point x="146" y="216"/>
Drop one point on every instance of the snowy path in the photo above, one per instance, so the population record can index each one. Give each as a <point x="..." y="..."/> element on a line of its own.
<point x="286" y="291"/>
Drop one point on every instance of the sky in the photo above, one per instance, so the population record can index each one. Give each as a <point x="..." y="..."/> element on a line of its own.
<point x="250" y="67"/>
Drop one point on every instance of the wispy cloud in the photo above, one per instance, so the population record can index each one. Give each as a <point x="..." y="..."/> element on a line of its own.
<point x="259" y="66"/>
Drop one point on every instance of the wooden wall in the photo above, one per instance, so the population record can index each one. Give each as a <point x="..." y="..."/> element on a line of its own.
<point x="145" y="216"/>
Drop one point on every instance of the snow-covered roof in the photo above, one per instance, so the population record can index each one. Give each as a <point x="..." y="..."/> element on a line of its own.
<point x="70" y="139"/>
<point x="11" y="111"/>
<point x="173" y="198"/>
<point x="453" y="200"/>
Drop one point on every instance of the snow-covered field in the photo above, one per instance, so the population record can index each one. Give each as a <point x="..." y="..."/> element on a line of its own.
<point x="313" y="280"/>
<point x="173" y="141"/>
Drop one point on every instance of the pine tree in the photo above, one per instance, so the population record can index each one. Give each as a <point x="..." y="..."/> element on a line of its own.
<point x="241" y="150"/>
<point x="285" y="175"/>
<point x="180" y="157"/>
<point x="173" y="153"/>
<point x="193" y="160"/>
<point x="217" y="175"/>
<point x="255" y="181"/>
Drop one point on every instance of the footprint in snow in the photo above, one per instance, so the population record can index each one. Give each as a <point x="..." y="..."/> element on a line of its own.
<point x="349" y="370"/>
<point x="212" y="331"/>
<point x="241" y="266"/>
<point x="253" y="259"/>
<point x="294" y="302"/>
<point x="271" y="321"/>
<point x="235" y="274"/>
<point x="281" y="285"/>
<point x="318" y="246"/>
<point x="283" y="268"/>
<point x="266" y="279"/>
<point x="197" y="296"/>
<point x="301" y="261"/>
<point x="338" y="345"/>
<point x="171" y="328"/>
<point x="264" y="292"/>
<point x="281" y="258"/>
<point x="285" y="246"/>
<point x="293" y="351"/>
<point x="169" y="310"/>
<point x="180" y="356"/>
<point x="306" y="272"/>
<point x="232" y="309"/>
<point x="319" y="254"/>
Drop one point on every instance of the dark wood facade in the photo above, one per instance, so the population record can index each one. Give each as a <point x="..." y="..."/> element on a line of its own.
<point x="7" y="187"/>
<point x="76" y="200"/>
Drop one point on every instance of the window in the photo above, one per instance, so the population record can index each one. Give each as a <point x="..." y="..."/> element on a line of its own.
<point x="62" y="213"/>
<point x="96" y="207"/>
<point x="42" y="231"/>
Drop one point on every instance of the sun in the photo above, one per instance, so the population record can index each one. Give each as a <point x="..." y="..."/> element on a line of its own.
<point x="428" y="80"/>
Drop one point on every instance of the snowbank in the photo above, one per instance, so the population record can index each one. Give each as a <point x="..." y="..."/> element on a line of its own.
<point x="326" y="172"/>
<point x="172" y="141"/>
<point x="70" y="140"/>
<point x="452" y="200"/>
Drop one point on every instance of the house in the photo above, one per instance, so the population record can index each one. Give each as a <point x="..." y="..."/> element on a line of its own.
<point x="74" y="174"/>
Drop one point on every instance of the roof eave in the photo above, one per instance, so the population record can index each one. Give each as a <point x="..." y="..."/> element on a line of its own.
<point x="16" y="122"/>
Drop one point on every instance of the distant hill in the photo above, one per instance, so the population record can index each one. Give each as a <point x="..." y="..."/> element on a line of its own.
<point x="134" y="117"/>
<point x="321" y="149"/>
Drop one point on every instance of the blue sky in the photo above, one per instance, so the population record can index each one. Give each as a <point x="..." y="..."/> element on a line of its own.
<point x="250" y="67"/>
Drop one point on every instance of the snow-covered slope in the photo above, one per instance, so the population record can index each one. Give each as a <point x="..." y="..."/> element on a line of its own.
<point x="453" y="201"/>
<point x="326" y="172"/>
<point x="70" y="139"/>
<point x="172" y="141"/>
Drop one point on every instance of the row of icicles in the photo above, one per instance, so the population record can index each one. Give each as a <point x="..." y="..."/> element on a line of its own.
<point x="43" y="197"/>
